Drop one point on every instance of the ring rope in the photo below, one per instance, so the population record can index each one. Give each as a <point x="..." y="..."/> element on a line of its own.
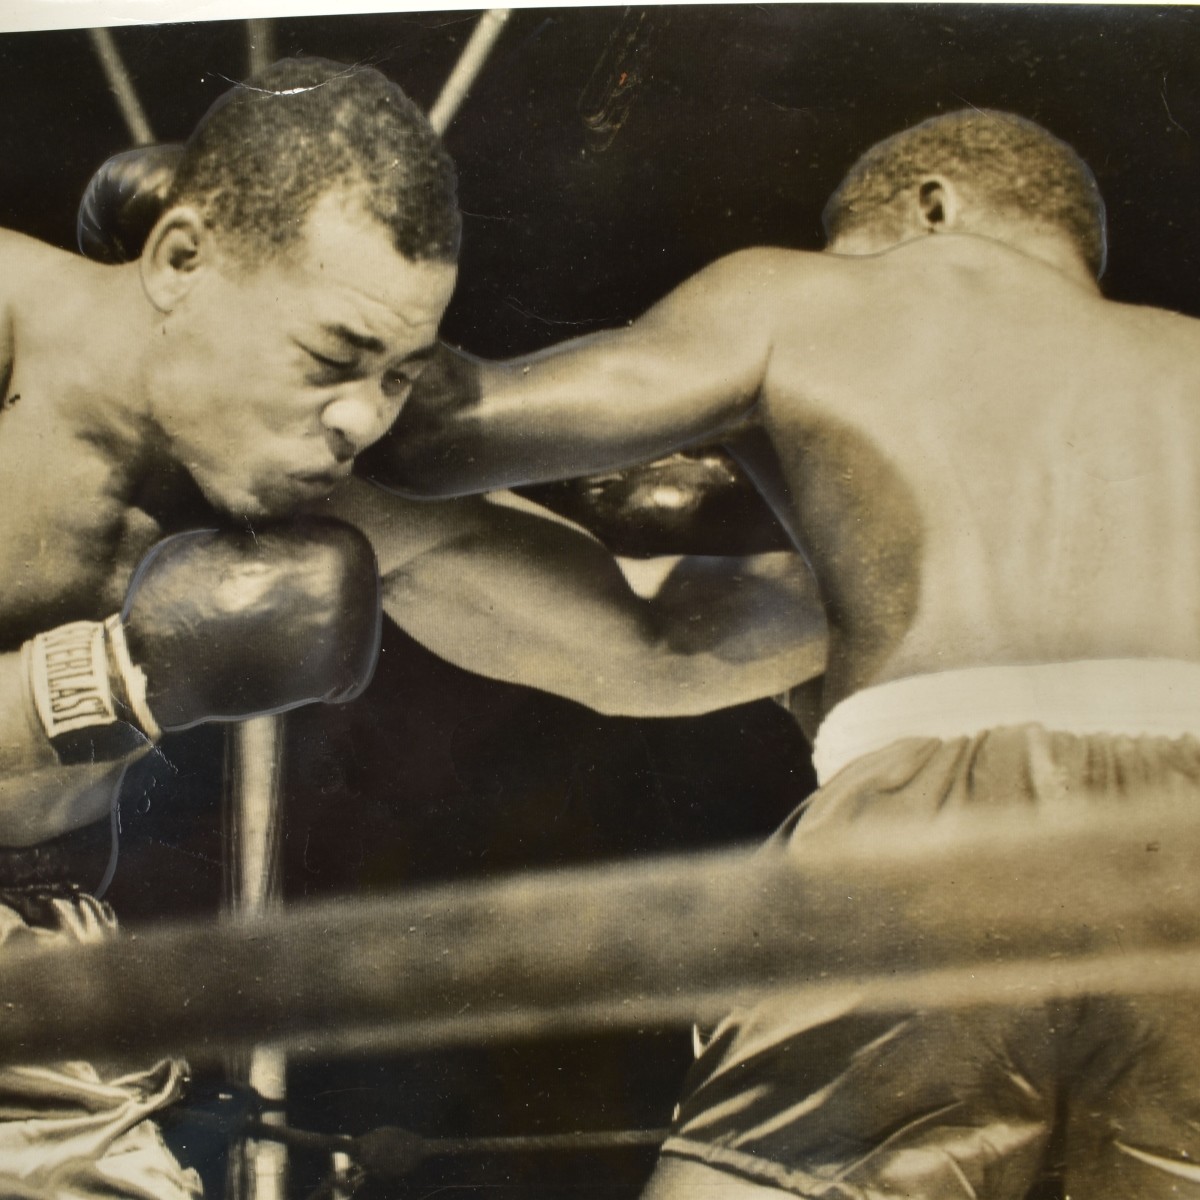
<point x="466" y="69"/>
<point x="121" y="85"/>
<point x="985" y="911"/>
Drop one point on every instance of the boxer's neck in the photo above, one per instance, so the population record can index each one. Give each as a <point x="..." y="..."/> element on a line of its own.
<point x="112" y="350"/>
<point x="1045" y="246"/>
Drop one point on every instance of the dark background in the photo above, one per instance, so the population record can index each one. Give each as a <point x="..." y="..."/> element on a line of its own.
<point x="604" y="155"/>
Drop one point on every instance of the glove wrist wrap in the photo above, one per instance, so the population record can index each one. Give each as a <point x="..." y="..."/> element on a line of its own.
<point x="89" y="695"/>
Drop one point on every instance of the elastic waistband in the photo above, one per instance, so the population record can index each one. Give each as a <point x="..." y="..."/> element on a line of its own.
<point x="1138" y="697"/>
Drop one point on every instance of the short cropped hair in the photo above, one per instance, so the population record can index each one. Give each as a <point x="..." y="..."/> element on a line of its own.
<point x="1019" y="167"/>
<point x="269" y="149"/>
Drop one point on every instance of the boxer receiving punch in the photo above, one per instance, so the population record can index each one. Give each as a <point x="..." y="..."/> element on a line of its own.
<point x="995" y="475"/>
<point x="179" y="431"/>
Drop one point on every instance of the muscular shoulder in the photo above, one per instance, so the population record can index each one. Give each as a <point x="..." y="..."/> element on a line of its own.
<point x="792" y="282"/>
<point x="1161" y="321"/>
<point x="22" y="256"/>
<point x="27" y="267"/>
<point x="1152" y="339"/>
<point x="765" y="268"/>
<point x="751" y="291"/>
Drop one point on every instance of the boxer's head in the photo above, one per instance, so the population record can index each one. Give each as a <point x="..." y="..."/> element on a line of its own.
<point x="970" y="171"/>
<point x="301" y="266"/>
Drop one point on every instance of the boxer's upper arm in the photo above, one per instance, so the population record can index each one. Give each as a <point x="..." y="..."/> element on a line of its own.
<point x="532" y="600"/>
<point x="688" y="371"/>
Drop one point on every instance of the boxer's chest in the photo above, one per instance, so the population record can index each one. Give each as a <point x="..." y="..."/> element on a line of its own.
<point x="69" y="535"/>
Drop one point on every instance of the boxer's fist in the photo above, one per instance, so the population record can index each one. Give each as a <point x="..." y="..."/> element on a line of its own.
<point x="123" y="201"/>
<point x="694" y="502"/>
<point x="227" y="625"/>
<point x="448" y="384"/>
<point x="216" y="626"/>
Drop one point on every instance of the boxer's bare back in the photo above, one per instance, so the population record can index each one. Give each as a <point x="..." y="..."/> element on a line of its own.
<point x="988" y="463"/>
<point x="982" y="459"/>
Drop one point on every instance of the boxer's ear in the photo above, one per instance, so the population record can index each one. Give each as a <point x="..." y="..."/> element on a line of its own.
<point x="938" y="202"/>
<point x="178" y="247"/>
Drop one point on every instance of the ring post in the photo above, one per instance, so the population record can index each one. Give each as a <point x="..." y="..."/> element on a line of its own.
<point x="260" y="44"/>
<point x="254" y="789"/>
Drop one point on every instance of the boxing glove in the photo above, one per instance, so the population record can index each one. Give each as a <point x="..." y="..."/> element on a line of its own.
<point x="449" y="383"/>
<point x="123" y="200"/>
<point x="216" y="626"/>
<point x="694" y="502"/>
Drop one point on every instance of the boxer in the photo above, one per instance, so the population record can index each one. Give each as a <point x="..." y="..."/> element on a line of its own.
<point x="992" y="471"/>
<point x="180" y="420"/>
<point x="505" y="588"/>
<point x="196" y="393"/>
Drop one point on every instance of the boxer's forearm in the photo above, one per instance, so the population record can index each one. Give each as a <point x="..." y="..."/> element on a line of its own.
<point x="45" y="804"/>
<point x="587" y="407"/>
<point x="39" y="797"/>
<point x="529" y="600"/>
<point x="689" y="371"/>
<point x="619" y="665"/>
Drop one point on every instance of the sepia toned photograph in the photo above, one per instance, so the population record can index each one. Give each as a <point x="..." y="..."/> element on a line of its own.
<point x="602" y="602"/>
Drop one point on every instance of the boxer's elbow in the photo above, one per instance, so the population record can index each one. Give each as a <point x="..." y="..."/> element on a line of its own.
<point x="645" y="695"/>
<point x="651" y="678"/>
<point x="664" y="679"/>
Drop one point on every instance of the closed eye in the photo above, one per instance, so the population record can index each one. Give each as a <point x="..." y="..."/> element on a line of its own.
<point x="396" y="384"/>
<point x="333" y="364"/>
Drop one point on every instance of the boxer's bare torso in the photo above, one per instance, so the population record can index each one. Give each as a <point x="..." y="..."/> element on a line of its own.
<point x="983" y="460"/>
<point x="987" y="462"/>
<point x="74" y="464"/>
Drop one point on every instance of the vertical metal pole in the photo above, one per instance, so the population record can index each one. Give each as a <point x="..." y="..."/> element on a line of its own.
<point x="341" y="1170"/>
<point x="255" y="791"/>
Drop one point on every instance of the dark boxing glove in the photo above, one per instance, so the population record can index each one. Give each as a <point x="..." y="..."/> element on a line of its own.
<point x="124" y="199"/>
<point x="694" y="502"/>
<point x="217" y="626"/>
<point x="403" y="460"/>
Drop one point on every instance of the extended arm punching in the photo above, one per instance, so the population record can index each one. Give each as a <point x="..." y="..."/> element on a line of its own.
<point x="500" y="587"/>
<point x="688" y="371"/>
<point x="521" y="596"/>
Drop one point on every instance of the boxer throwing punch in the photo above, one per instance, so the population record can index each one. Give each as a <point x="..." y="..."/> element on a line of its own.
<point x="993" y="472"/>
<point x="508" y="589"/>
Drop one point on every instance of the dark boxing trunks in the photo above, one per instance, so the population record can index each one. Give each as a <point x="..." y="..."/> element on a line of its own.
<point x="963" y="1104"/>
